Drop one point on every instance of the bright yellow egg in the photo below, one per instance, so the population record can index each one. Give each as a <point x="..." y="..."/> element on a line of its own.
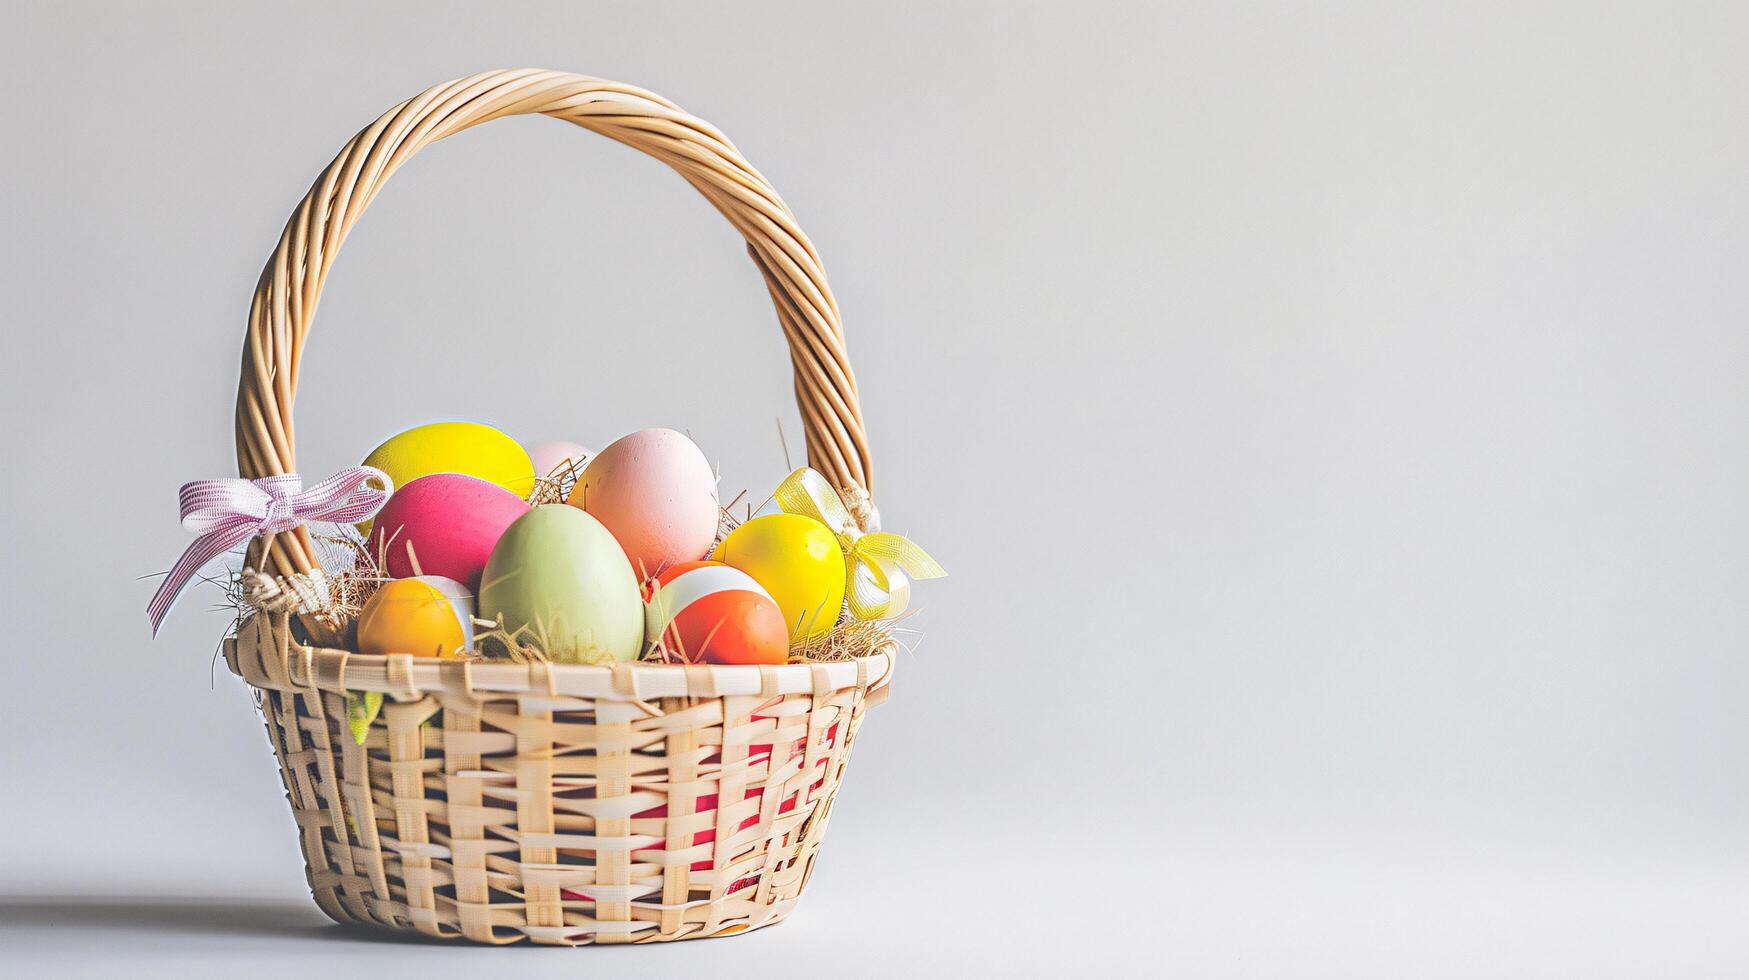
<point x="428" y="616"/>
<point x="468" y="448"/>
<point x="798" y="561"/>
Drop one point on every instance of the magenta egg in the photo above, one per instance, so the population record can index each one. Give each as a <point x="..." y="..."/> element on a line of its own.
<point x="443" y="524"/>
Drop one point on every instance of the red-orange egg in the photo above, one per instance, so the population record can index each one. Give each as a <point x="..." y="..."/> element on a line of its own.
<point x="708" y="612"/>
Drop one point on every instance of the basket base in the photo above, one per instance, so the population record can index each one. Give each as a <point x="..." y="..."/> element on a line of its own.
<point x="384" y="932"/>
<point x="565" y="806"/>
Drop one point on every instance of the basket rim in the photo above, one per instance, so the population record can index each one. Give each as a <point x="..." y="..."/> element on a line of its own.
<point x="264" y="655"/>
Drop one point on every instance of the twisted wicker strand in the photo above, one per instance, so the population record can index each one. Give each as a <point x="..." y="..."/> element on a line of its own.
<point x="291" y="283"/>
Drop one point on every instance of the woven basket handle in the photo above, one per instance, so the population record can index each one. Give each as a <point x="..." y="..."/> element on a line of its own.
<point x="285" y="298"/>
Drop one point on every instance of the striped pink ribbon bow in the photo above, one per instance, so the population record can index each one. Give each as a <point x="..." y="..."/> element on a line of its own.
<point x="226" y="513"/>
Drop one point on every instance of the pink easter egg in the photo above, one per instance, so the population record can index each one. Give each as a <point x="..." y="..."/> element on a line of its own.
<point x="658" y="495"/>
<point x="549" y="456"/>
<point x="448" y="521"/>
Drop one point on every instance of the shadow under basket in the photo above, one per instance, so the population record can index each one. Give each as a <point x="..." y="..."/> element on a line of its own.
<point x="563" y="804"/>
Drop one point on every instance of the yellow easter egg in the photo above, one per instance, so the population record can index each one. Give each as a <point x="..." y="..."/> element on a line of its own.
<point x="798" y="561"/>
<point x="428" y="616"/>
<point x="468" y="448"/>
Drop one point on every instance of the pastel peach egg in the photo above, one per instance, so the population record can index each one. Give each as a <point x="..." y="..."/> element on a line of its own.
<point x="656" y="492"/>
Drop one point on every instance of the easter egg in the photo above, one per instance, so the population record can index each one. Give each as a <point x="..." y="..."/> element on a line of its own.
<point x="798" y="561"/>
<point x="443" y="524"/>
<point x="428" y="616"/>
<point x="658" y="495"/>
<point x="559" y="579"/>
<point x="708" y="612"/>
<point x="559" y="457"/>
<point x="469" y="448"/>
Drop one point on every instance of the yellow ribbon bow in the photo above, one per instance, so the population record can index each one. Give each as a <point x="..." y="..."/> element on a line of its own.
<point x="886" y="558"/>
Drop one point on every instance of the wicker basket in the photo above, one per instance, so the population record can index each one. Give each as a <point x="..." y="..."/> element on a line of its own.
<point x="563" y="804"/>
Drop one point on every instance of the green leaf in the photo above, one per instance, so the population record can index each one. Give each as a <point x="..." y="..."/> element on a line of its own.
<point x="361" y="710"/>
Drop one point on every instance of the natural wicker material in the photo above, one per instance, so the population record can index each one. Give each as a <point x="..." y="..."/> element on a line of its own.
<point x="560" y="803"/>
<point x="564" y="804"/>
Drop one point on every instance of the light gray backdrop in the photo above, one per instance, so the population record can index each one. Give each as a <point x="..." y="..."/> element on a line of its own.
<point x="1332" y="417"/>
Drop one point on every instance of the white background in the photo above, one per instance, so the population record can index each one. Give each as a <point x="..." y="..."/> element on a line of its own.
<point x="1332" y="416"/>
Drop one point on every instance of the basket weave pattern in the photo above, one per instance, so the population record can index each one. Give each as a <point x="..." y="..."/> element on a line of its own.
<point x="562" y="804"/>
<point x="565" y="805"/>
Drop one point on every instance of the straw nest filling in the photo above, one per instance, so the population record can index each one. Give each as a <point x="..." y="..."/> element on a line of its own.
<point x="325" y="604"/>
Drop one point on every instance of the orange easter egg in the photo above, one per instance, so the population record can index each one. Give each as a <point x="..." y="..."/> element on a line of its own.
<point x="428" y="616"/>
<point x="708" y="612"/>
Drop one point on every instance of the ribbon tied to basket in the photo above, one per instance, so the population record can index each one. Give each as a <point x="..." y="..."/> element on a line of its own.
<point x="227" y="513"/>
<point x="877" y="562"/>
